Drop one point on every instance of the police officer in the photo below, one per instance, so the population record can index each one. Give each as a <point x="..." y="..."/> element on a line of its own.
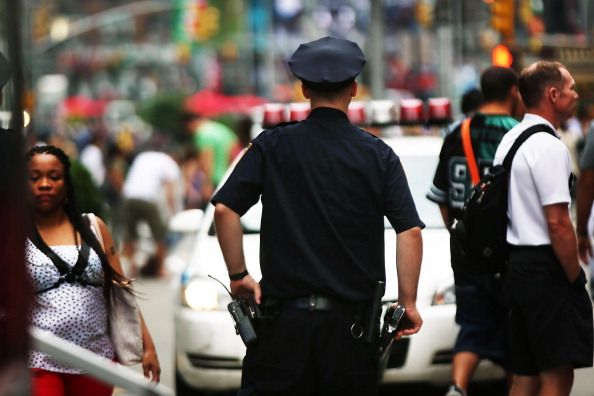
<point x="325" y="186"/>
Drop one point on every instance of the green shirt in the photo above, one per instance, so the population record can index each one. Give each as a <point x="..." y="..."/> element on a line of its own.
<point x="220" y="139"/>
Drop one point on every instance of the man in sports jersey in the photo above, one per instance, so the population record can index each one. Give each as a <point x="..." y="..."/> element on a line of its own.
<point x="550" y="319"/>
<point x="481" y="311"/>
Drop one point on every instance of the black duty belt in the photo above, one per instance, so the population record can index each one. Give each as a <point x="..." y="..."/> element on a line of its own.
<point x="271" y="306"/>
<point x="311" y="303"/>
<point x="315" y="302"/>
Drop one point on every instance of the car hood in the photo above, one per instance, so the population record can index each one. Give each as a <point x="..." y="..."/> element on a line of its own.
<point x="436" y="272"/>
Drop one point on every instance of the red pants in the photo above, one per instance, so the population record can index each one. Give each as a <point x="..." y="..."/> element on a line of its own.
<point x="49" y="383"/>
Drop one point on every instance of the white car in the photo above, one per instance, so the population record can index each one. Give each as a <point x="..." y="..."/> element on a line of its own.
<point x="208" y="352"/>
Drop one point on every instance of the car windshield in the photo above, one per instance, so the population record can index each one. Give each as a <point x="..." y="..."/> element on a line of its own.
<point x="419" y="173"/>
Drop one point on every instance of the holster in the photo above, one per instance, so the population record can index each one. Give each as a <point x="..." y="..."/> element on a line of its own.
<point x="366" y="323"/>
<point x="267" y="310"/>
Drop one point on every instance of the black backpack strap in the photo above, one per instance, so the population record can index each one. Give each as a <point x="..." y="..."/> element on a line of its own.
<point x="521" y="139"/>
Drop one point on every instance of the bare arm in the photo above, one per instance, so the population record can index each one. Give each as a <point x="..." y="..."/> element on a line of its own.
<point x="585" y="197"/>
<point x="230" y="236"/>
<point x="207" y="161"/>
<point x="409" y="254"/>
<point x="563" y="238"/>
<point x="150" y="361"/>
<point x="170" y="196"/>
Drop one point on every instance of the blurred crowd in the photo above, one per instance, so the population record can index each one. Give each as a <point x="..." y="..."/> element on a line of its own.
<point x="191" y="162"/>
<point x="134" y="180"/>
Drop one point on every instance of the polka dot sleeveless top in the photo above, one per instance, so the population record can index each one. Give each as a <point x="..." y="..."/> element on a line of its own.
<point x="72" y="311"/>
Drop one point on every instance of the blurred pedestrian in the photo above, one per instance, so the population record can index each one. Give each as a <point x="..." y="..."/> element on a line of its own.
<point x="91" y="156"/>
<point x="481" y="311"/>
<point x="551" y="313"/>
<point x="197" y="190"/>
<point x="151" y="175"/>
<point x="214" y="142"/>
<point x="117" y="162"/>
<point x="74" y="310"/>
<point x="325" y="186"/>
<point x="470" y="102"/>
<point x="585" y="200"/>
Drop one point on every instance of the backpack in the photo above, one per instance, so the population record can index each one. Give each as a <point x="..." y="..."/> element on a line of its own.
<point x="478" y="242"/>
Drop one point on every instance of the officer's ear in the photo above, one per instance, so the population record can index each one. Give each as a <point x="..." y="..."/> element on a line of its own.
<point x="354" y="87"/>
<point x="305" y="91"/>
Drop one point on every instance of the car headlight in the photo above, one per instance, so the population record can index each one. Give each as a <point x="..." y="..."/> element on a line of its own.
<point x="204" y="294"/>
<point x="444" y="295"/>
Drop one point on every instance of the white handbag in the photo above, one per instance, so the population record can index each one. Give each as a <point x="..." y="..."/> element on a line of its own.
<point x="125" y="327"/>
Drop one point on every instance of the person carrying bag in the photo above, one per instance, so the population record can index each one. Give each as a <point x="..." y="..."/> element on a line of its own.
<point x="81" y="293"/>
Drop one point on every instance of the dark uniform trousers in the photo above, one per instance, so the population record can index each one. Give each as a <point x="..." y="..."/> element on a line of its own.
<point x="302" y="352"/>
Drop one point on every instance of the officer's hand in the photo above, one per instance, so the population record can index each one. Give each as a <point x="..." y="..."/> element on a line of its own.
<point x="245" y="288"/>
<point x="411" y="322"/>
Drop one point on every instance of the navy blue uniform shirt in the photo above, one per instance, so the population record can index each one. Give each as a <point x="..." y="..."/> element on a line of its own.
<point x="325" y="187"/>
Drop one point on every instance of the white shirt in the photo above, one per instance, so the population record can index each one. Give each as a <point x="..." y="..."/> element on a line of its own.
<point x="539" y="176"/>
<point x="92" y="158"/>
<point x="148" y="173"/>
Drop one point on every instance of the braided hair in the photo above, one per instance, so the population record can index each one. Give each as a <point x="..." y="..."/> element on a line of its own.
<point x="80" y="223"/>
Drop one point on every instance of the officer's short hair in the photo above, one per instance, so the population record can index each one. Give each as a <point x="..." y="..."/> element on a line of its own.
<point x="496" y="82"/>
<point x="328" y="88"/>
<point x="535" y="78"/>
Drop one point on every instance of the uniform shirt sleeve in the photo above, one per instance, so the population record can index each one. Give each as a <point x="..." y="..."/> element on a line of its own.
<point x="400" y="208"/>
<point x="551" y="177"/>
<point x="243" y="187"/>
<point x="587" y="157"/>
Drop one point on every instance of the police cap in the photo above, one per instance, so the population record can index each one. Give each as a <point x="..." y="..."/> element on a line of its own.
<point x="4" y="70"/>
<point x="328" y="63"/>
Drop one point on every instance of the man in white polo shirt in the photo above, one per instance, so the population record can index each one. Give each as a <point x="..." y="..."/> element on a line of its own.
<point x="551" y="313"/>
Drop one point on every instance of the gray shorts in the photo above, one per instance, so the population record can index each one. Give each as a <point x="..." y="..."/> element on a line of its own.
<point x="137" y="210"/>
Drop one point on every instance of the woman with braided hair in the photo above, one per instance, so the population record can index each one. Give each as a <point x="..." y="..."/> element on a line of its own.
<point x="73" y="307"/>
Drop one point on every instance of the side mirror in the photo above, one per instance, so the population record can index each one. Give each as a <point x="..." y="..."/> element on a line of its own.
<point x="186" y="221"/>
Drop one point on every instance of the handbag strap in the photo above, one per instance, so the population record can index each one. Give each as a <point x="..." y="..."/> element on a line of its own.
<point x="67" y="274"/>
<point x="97" y="231"/>
<point x="469" y="152"/>
<point x="95" y="228"/>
